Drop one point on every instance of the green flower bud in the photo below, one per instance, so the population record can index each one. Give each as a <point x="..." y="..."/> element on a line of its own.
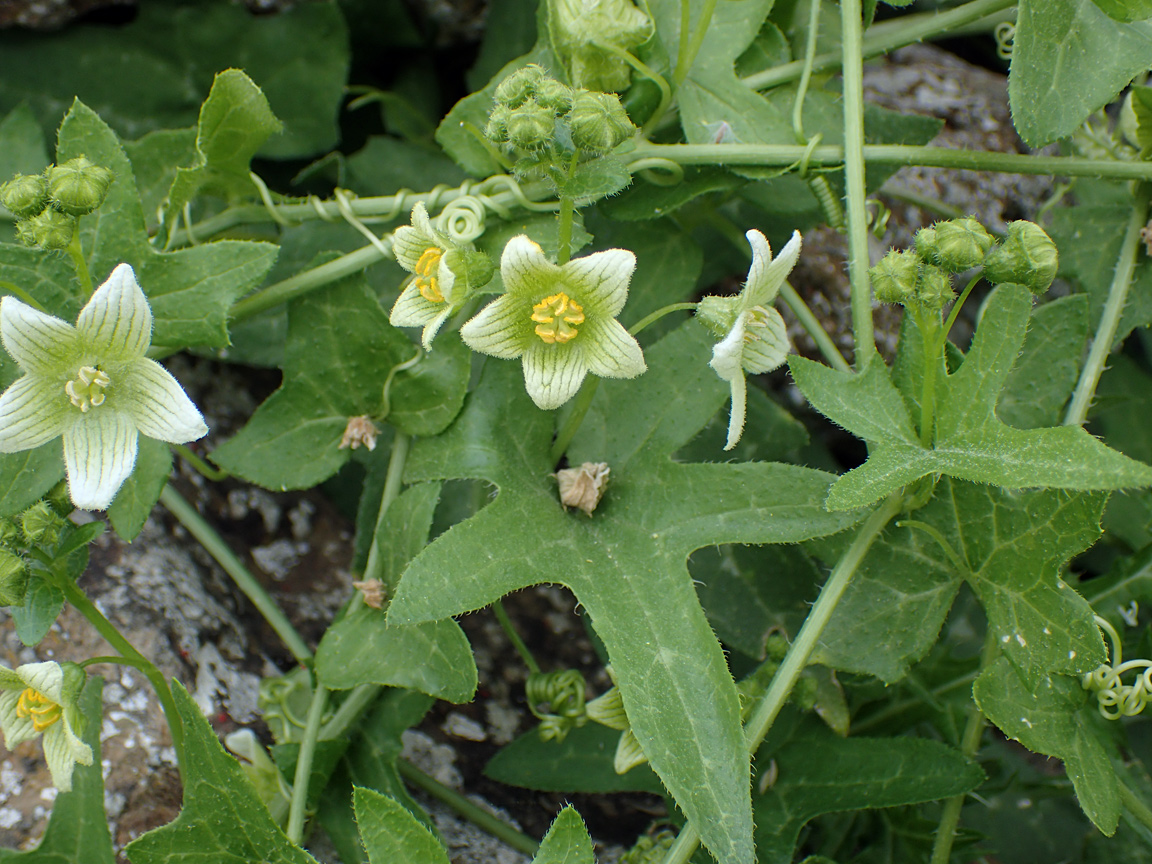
<point x="926" y="244"/>
<point x="1028" y="256"/>
<point x="59" y="500"/>
<point x="520" y="86"/>
<point x="895" y="276"/>
<point x="78" y="186"/>
<point x="470" y="267"/>
<point x="13" y="578"/>
<point x="531" y="126"/>
<point x="776" y="647"/>
<point x="497" y="128"/>
<point x="580" y="29"/>
<point x="598" y="121"/>
<point x="554" y="95"/>
<point x="650" y="850"/>
<point x="9" y="533"/>
<point x="40" y="524"/>
<point x="718" y="314"/>
<point x="961" y="244"/>
<point x="934" y="288"/>
<point x="25" y="195"/>
<point x="48" y="230"/>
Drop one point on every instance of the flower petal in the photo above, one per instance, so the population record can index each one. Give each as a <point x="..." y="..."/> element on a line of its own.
<point x="17" y="729"/>
<point x="433" y="328"/>
<point x="413" y="309"/>
<point x="38" y="342"/>
<point x="62" y="750"/>
<point x="158" y="404"/>
<point x="502" y="329"/>
<point x="409" y="242"/>
<point x="33" y="411"/>
<point x="739" y="408"/>
<point x="601" y="279"/>
<point x="526" y="271"/>
<point x="728" y="354"/>
<point x="553" y="373"/>
<point x="99" y="454"/>
<point x="609" y="350"/>
<point x="116" y="323"/>
<point x="9" y="680"/>
<point x="766" y="275"/>
<point x="770" y="348"/>
<point x="45" y="678"/>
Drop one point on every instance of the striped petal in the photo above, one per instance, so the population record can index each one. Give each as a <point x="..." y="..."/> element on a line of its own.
<point x="116" y="324"/>
<point x="769" y="349"/>
<point x="413" y="309"/>
<point x="609" y="350"/>
<point x="433" y="328"/>
<point x="33" y="411"/>
<point x="526" y="271"/>
<point x="99" y="454"/>
<point x="553" y="373"/>
<point x="601" y="280"/>
<point x="409" y="242"/>
<point x="62" y="750"/>
<point x="39" y="343"/>
<point x="502" y="329"/>
<point x="17" y="729"/>
<point x="158" y="404"/>
<point x="766" y="274"/>
<point x="45" y="678"/>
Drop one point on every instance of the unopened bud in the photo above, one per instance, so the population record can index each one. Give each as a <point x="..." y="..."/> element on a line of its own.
<point x="520" y="86"/>
<point x="471" y="268"/>
<point x="78" y="186"/>
<point x="531" y="126"/>
<point x="598" y="121"/>
<point x="926" y="244"/>
<point x="40" y="524"/>
<point x="13" y="578"/>
<point x="1028" y="257"/>
<point x="25" y="195"/>
<point x="59" y="500"/>
<point x="48" y="230"/>
<point x="497" y="128"/>
<point x="961" y="244"/>
<point x="895" y="276"/>
<point x="718" y="314"/>
<point x="554" y="95"/>
<point x="934" y="288"/>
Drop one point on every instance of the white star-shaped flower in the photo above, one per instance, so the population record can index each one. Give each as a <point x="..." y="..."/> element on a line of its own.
<point x="92" y="385"/>
<point x="755" y="337"/>
<point x="41" y="698"/>
<point x="561" y="319"/>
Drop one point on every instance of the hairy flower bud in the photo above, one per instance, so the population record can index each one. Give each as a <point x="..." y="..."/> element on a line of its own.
<point x="25" y="195"/>
<point x="895" y="276"/>
<point x="497" y="128"/>
<point x="520" y="86"/>
<point x="926" y="244"/>
<point x="40" y="524"/>
<point x="961" y="244"/>
<point x="598" y="121"/>
<point x="718" y="314"/>
<point x="1027" y="256"/>
<point x="934" y="288"/>
<point x="13" y="578"/>
<point x="581" y="29"/>
<point x="471" y="267"/>
<point x="531" y="126"/>
<point x="554" y="95"/>
<point x="48" y="230"/>
<point x="78" y="186"/>
<point x="57" y="498"/>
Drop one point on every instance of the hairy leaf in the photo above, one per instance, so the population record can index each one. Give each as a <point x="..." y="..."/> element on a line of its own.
<point x="391" y="834"/>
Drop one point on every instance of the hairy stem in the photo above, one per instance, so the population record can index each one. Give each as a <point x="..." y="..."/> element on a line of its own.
<point x="76" y="253"/>
<point x="580" y="406"/>
<point x="1135" y="807"/>
<point x="651" y="319"/>
<point x="950" y="818"/>
<point x="797" y="657"/>
<point x="514" y="637"/>
<point x="214" y="544"/>
<point x="1113" y="311"/>
<point x="297" y="812"/>
<point x="202" y="468"/>
<point x="393" y="480"/>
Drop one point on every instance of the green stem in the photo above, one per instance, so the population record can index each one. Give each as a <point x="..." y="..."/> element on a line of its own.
<point x="797" y="657"/>
<point x="203" y="468"/>
<point x="884" y="38"/>
<point x="957" y="306"/>
<point x="76" y="253"/>
<point x="514" y="638"/>
<point x="806" y="72"/>
<point x="112" y="658"/>
<point x="351" y="710"/>
<point x="481" y="818"/>
<point x="651" y="319"/>
<point x="950" y="818"/>
<point x="932" y="360"/>
<point x="812" y="327"/>
<point x="686" y="56"/>
<point x="854" y="189"/>
<point x="1135" y="807"/>
<point x="580" y="406"/>
<point x="648" y="72"/>
<point x="1113" y="310"/>
<point x="114" y="638"/>
<point x="214" y="544"/>
<point x="22" y="295"/>
<point x="831" y="155"/>
<point x="565" y="217"/>
<point x="393" y="480"/>
<point x="297" y="812"/>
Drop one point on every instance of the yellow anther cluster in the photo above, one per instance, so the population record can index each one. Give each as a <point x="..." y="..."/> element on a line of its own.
<point x="87" y="391"/>
<point x="39" y="708"/>
<point x="556" y="318"/>
<point x="428" y="264"/>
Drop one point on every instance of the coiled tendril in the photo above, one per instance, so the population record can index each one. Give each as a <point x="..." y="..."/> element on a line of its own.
<point x="562" y="694"/>
<point x="1114" y="698"/>
<point x="1005" y="34"/>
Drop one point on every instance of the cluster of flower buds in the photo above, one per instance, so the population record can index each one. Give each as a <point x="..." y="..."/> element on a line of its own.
<point x="37" y="526"/>
<point x="535" y="114"/>
<point x="923" y="276"/>
<point x="47" y="205"/>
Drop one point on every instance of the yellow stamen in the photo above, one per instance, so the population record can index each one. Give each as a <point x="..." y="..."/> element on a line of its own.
<point x="556" y="317"/>
<point x="39" y="708"/>
<point x="87" y="390"/>
<point x="428" y="264"/>
<point x="755" y="325"/>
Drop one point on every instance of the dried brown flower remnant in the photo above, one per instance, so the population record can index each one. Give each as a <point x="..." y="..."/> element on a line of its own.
<point x="583" y="487"/>
<point x="360" y="430"/>
<point x="1146" y="236"/>
<point x="373" y="591"/>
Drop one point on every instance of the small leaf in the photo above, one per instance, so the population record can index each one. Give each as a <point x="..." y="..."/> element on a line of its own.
<point x="391" y="834"/>
<point x="42" y="605"/>
<point x="1046" y="372"/>
<point x="567" y="841"/>
<point x="1126" y="10"/>
<point x="596" y="179"/>
<point x="27" y="476"/>
<point x="1053" y="716"/>
<point x="222" y="818"/>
